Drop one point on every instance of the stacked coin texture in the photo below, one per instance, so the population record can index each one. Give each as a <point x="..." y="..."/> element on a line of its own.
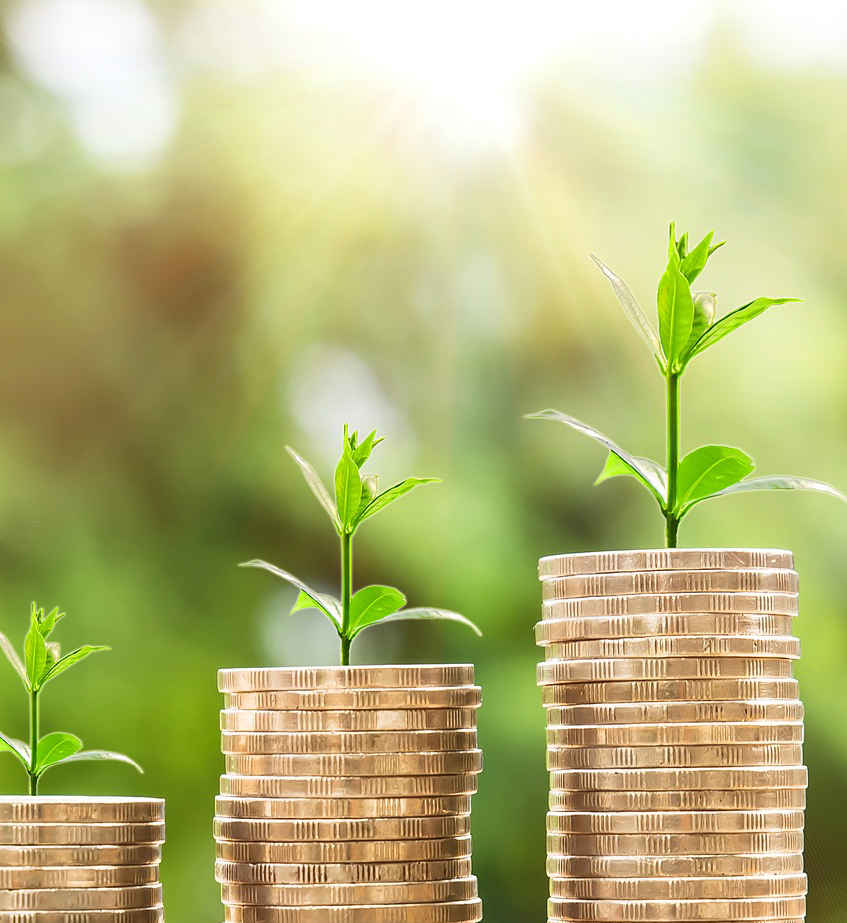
<point x="80" y="860"/>
<point x="347" y="795"/>
<point x="674" y="736"/>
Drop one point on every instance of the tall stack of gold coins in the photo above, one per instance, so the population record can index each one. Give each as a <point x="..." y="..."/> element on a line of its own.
<point x="347" y="795"/>
<point x="674" y="736"/>
<point x="66" y="860"/>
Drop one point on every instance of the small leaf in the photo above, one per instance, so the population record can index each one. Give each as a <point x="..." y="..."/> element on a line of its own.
<point x="317" y="487"/>
<point x="705" y="305"/>
<point x="693" y="263"/>
<point x="12" y="657"/>
<point x="73" y="658"/>
<point x="733" y="321"/>
<point x="83" y="755"/>
<point x="646" y="474"/>
<point x="48" y="622"/>
<point x="781" y="482"/>
<point x="348" y="489"/>
<point x="380" y="501"/>
<point x="361" y="453"/>
<point x="18" y="747"/>
<point x="709" y="469"/>
<point x="55" y="747"/>
<point x="35" y="654"/>
<point x="428" y="613"/>
<point x="632" y="309"/>
<point x="370" y="488"/>
<point x="372" y="604"/>
<point x="676" y="311"/>
<point x="615" y="467"/>
<point x="327" y="604"/>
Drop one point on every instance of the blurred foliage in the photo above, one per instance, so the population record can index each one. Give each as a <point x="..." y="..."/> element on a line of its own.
<point x="303" y="253"/>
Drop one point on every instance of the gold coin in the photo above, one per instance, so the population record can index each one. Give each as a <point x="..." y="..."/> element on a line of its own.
<point x="54" y="856"/>
<point x="668" y="690"/>
<point x="765" y="865"/>
<point x="678" y="889"/>
<point x="353" y="742"/>
<point x="346" y="851"/>
<point x="414" y="697"/>
<point x="721" y="911"/>
<point x="665" y="779"/>
<point x="594" y="671"/>
<point x="82" y="899"/>
<point x="80" y="834"/>
<point x="648" y="757"/>
<point x="642" y="582"/>
<point x="675" y="712"/>
<point x="661" y="735"/>
<point x="319" y="895"/>
<point x="371" y="828"/>
<point x="685" y="646"/>
<point x="604" y="562"/>
<point x="355" y="764"/>
<point x="141" y="915"/>
<point x="674" y="822"/>
<point x="327" y="787"/>
<point x="407" y="719"/>
<point x="451" y="912"/>
<point x="676" y="603"/>
<point x="342" y="807"/>
<point x="673" y="844"/>
<point x="628" y="627"/>
<point x="379" y="677"/>
<point x="15" y="809"/>
<point x="340" y="873"/>
<point x="69" y="876"/>
<point x="750" y="799"/>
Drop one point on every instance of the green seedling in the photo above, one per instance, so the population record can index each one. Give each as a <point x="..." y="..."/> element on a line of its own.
<point x="687" y="328"/>
<point x="357" y="499"/>
<point x="42" y="662"/>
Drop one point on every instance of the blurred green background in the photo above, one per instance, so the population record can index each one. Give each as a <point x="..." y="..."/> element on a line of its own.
<point x="228" y="227"/>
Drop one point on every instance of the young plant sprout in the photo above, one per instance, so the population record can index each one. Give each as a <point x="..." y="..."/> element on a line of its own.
<point x="43" y="662"/>
<point x="687" y="328"/>
<point x="357" y="499"/>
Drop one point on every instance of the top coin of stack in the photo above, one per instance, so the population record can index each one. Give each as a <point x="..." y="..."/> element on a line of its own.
<point x="347" y="795"/>
<point x="674" y="736"/>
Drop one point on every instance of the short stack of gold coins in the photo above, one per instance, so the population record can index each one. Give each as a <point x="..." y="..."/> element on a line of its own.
<point x="347" y="795"/>
<point x="674" y="736"/>
<point x="67" y="860"/>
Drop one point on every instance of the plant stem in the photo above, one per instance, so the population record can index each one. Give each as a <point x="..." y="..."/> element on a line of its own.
<point x="346" y="595"/>
<point x="33" y="740"/>
<point x="673" y="427"/>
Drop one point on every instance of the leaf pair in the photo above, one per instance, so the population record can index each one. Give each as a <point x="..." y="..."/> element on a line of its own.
<point x="57" y="747"/>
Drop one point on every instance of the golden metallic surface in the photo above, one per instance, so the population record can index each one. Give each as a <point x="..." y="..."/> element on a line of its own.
<point x="761" y="646"/>
<point x="678" y="889"/>
<point x="355" y="764"/>
<point x="80" y="834"/>
<point x="749" y="799"/>
<point x="343" y="851"/>
<point x="677" y="603"/>
<point x="143" y="915"/>
<point x="340" y="808"/>
<point x="352" y="742"/>
<point x="413" y="697"/>
<point x="660" y="735"/>
<point x="340" y="873"/>
<point x="452" y="912"/>
<point x="82" y="899"/>
<point x="764" y="865"/>
<point x="320" y="895"/>
<point x="668" y="779"/>
<point x="668" y="690"/>
<point x="600" y="671"/>
<point x="676" y="712"/>
<point x="69" y="876"/>
<point x="648" y="757"/>
<point x="651" y="625"/>
<point x="674" y="822"/>
<point x="376" y="677"/>
<point x="603" y="562"/>
<point x="51" y="856"/>
<point x="42" y="809"/>
<point x="381" y="828"/>
<point x="407" y="719"/>
<point x="329" y="787"/>
<point x="689" y="911"/>
<point x="673" y="844"/>
<point x="672" y="581"/>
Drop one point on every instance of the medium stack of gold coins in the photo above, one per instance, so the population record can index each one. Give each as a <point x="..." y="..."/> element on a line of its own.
<point x="63" y="860"/>
<point x="674" y="736"/>
<point x="347" y="795"/>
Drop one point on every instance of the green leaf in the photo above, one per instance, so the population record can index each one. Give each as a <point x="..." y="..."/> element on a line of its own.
<point x="615" y="467"/>
<point x="781" y="482"/>
<point x="733" y="321"/>
<point x="632" y="309"/>
<point x="428" y="613"/>
<point x="370" y="488"/>
<point x="321" y="601"/>
<point x="705" y="305"/>
<point x="348" y="489"/>
<point x="84" y="755"/>
<point x="316" y="486"/>
<point x="35" y="653"/>
<point x="676" y="311"/>
<point x="709" y="469"/>
<point x="330" y="607"/>
<point x="55" y="747"/>
<point x="380" y="501"/>
<point x="693" y="263"/>
<point x="372" y="604"/>
<point x="646" y="474"/>
<point x="361" y="453"/>
<point x="48" y="622"/>
<point x="12" y="656"/>
<point x="73" y="658"/>
<point x="18" y="747"/>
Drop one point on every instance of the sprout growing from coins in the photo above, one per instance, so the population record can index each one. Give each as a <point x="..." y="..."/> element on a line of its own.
<point x="357" y="499"/>
<point x="687" y="328"/>
<point x="42" y="662"/>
